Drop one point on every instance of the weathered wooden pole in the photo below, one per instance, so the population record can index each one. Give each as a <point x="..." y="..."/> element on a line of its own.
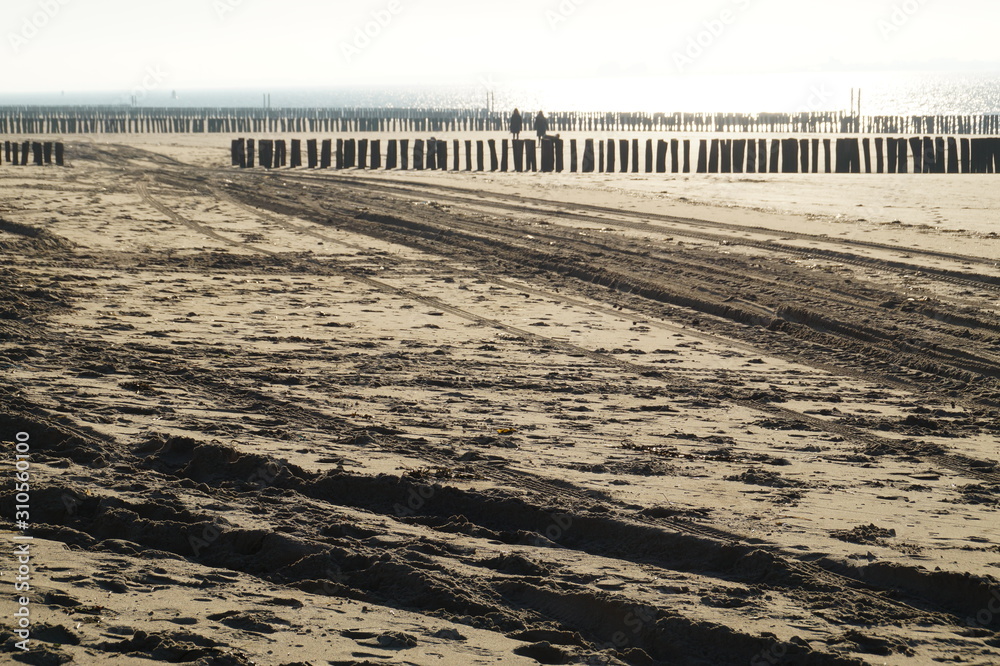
<point x="392" y="154"/>
<point x="588" y="156"/>
<point x="504" y="157"/>
<point x="952" y="155"/>
<point x="702" y="166"/>
<point x="530" y="155"/>
<point x="751" y="156"/>
<point x="362" y="153"/>
<point x="326" y="153"/>
<point x="879" y="155"/>
<point x="375" y="146"/>
<point x="803" y="155"/>
<point x="622" y="156"/>
<point x="867" y="151"/>
<point x="761" y="155"/>
<point x="494" y="162"/>
<point x="59" y="153"/>
<point x="266" y="153"/>
<point x="404" y="154"/>
<point x="480" y="155"/>
<point x="251" y="153"/>
<point x="892" y="154"/>
<point x="940" y="161"/>
<point x="418" y="154"/>
<point x="635" y="155"/>
<point x="234" y="151"/>
<point x="739" y="154"/>
<point x="350" y="153"/>
<point x="468" y="155"/>
<point x="661" y="156"/>
<point x="442" y="154"/>
<point x="686" y="165"/>
<point x="966" y="156"/>
<point x="25" y="147"/>
<point x="815" y="156"/>
<point x="518" y="155"/>
<point x="916" y="148"/>
<point x="312" y="153"/>
<point x="296" y="157"/>
<point x="574" y="156"/>
<point x="548" y="154"/>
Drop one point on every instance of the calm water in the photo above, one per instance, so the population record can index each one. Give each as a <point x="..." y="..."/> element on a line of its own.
<point x="882" y="93"/>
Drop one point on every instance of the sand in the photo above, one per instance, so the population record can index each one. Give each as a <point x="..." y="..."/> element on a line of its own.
<point x="303" y="417"/>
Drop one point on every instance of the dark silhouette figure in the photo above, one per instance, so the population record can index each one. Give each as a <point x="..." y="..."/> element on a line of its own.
<point x="515" y="124"/>
<point x="541" y="125"/>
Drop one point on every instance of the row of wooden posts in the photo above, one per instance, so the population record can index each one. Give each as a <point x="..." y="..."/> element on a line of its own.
<point x="31" y="152"/>
<point x="928" y="154"/>
<point x="125" y="120"/>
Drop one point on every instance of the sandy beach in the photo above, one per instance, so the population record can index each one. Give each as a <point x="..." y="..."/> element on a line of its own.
<point x="377" y="417"/>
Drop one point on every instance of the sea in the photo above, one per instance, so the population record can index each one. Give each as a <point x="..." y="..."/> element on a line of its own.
<point x="869" y="93"/>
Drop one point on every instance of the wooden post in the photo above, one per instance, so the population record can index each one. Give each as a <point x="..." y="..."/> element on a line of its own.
<point x="966" y="156"/>
<point x="530" y="155"/>
<point x="892" y="154"/>
<point x="234" y="151"/>
<point x="559" y="146"/>
<point x="6" y="150"/>
<point x="714" y="153"/>
<point x="940" y="162"/>
<point x="610" y="157"/>
<point x="312" y="154"/>
<point x="362" y="153"/>
<point x="392" y="154"/>
<point x="588" y="156"/>
<point x="739" y="154"/>
<point x="375" y="146"/>
<point x="815" y="156"/>
<point x="751" y="155"/>
<point x="404" y="154"/>
<point x="59" y="153"/>
<point x="952" y="155"/>
<point x="789" y="155"/>
<point x="326" y="153"/>
<point x="622" y="156"/>
<point x="494" y="162"/>
<point x="442" y="154"/>
<point x="867" y="150"/>
<point x="296" y="160"/>
<point x="661" y="156"/>
<point x="519" y="155"/>
<point x="687" y="156"/>
<point x="726" y="155"/>
<point x="902" y="161"/>
<point x="280" y="153"/>
<point x="803" y="155"/>
<point x="675" y="156"/>
<point x="430" y="155"/>
<point x="548" y="154"/>
<point x="36" y="153"/>
<point x="916" y="149"/>
<point x="879" y="156"/>
<point x="468" y="155"/>
<point x="504" y="157"/>
<point x="418" y="154"/>
<point x="702" y="156"/>
<point x="761" y="155"/>
<point x="843" y="157"/>
<point x="251" y="154"/>
<point x="574" y="156"/>
<point x="480" y="155"/>
<point x="338" y="154"/>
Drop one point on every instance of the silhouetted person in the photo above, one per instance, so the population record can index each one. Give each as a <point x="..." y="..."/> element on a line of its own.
<point x="515" y="124"/>
<point x="541" y="124"/>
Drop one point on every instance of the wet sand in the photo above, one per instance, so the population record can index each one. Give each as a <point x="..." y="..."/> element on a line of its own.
<point x="367" y="417"/>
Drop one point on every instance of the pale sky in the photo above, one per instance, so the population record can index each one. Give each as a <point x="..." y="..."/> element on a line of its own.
<point x="53" y="45"/>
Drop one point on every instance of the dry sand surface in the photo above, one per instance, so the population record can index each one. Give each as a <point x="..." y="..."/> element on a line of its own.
<point x="319" y="417"/>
